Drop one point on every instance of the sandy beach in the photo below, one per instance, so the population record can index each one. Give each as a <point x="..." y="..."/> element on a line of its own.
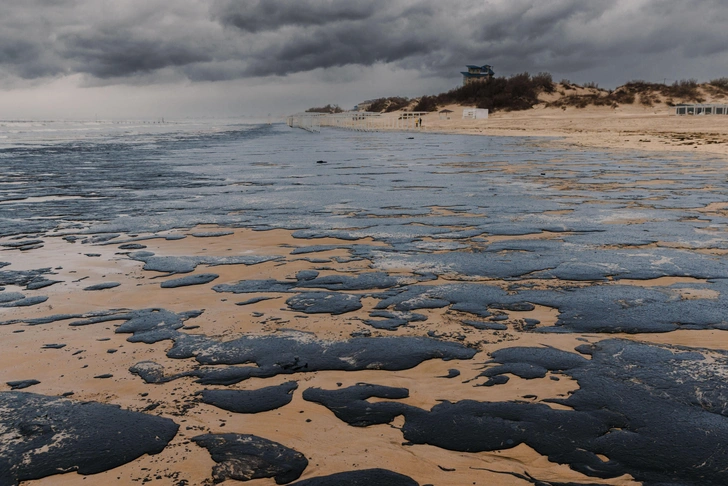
<point x="331" y="446"/>
<point x="274" y="242"/>
<point x="441" y="311"/>
<point x="629" y="127"/>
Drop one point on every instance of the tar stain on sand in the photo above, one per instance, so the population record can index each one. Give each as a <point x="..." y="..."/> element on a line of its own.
<point x="284" y="353"/>
<point x="21" y="384"/>
<point x="251" y="401"/>
<point x="187" y="264"/>
<point x="657" y="412"/>
<point x="199" y="279"/>
<point x="48" y="435"/>
<point x="364" y="477"/>
<point x="244" y="457"/>
<point x="229" y="362"/>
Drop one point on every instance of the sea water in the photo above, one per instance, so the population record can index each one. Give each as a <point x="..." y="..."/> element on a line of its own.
<point x="149" y="177"/>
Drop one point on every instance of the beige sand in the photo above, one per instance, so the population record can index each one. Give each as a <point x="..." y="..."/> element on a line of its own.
<point x="331" y="445"/>
<point x="627" y="127"/>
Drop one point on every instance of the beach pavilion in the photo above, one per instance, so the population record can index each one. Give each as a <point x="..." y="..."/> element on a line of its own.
<point x="701" y="109"/>
<point x="477" y="73"/>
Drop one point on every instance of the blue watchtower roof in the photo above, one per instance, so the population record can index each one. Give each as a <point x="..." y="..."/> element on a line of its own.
<point x="485" y="69"/>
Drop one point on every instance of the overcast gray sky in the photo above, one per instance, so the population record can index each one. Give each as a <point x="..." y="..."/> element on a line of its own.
<point x="174" y="58"/>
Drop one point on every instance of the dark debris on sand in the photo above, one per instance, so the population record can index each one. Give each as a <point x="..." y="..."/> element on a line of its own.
<point x="48" y="435"/>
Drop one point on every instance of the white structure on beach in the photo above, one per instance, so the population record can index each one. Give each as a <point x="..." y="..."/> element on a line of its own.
<point x="701" y="109"/>
<point x="311" y="122"/>
<point x="475" y="113"/>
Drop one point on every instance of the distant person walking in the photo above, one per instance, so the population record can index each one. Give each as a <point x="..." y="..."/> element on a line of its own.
<point x="420" y="122"/>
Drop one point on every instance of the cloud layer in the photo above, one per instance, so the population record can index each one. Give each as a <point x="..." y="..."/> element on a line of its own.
<point x="145" y="41"/>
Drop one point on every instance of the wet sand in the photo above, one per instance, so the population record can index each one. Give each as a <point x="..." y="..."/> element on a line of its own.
<point x="502" y="306"/>
<point x="329" y="445"/>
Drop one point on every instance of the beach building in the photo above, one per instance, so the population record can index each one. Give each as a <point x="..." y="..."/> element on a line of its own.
<point x="476" y="74"/>
<point x="701" y="109"/>
<point x="475" y="113"/>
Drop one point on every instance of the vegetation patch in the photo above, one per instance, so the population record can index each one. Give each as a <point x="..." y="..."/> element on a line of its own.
<point x="388" y="105"/>
<point x="518" y="92"/>
<point x="326" y="109"/>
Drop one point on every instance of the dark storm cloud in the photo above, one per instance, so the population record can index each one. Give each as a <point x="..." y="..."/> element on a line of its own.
<point x="342" y="43"/>
<point x="106" y="54"/>
<point x="129" y="40"/>
<point x="260" y="15"/>
<point x="44" y="38"/>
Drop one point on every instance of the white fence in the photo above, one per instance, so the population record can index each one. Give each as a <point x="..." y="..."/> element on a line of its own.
<point x="307" y="121"/>
<point x="701" y="109"/>
<point x="359" y="121"/>
<point x="475" y="113"/>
